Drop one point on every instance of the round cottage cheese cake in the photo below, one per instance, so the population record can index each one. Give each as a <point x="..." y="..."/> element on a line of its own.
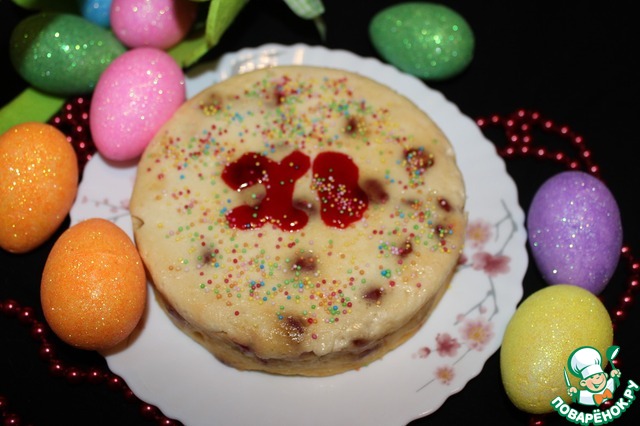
<point x="299" y="220"/>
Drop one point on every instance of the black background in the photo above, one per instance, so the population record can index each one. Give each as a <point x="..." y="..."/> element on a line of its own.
<point x="573" y="64"/>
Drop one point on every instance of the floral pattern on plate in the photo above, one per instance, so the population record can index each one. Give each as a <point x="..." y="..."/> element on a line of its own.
<point x="473" y="328"/>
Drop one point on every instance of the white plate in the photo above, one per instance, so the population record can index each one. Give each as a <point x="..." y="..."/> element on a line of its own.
<point x="166" y="368"/>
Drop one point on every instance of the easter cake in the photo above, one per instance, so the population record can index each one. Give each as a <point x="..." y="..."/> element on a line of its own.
<point x="299" y="220"/>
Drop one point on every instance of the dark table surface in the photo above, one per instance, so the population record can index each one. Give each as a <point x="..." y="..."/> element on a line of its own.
<point x="572" y="64"/>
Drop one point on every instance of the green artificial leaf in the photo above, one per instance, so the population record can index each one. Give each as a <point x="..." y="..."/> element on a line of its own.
<point x="312" y="10"/>
<point x="190" y="49"/>
<point x="220" y="16"/>
<point x="306" y="9"/>
<point x="30" y="105"/>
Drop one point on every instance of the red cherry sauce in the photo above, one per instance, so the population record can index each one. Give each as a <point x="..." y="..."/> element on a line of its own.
<point x="335" y="178"/>
<point x="279" y="180"/>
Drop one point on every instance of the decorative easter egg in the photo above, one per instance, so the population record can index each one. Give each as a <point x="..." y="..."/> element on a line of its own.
<point x="38" y="184"/>
<point x="157" y="23"/>
<point x="428" y="40"/>
<point x="96" y="11"/>
<point x="541" y="336"/>
<point x="575" y="231"/>
<point x="62" y="54"/>
<point x="135" y="95"/>
<point x="93" y="289"/>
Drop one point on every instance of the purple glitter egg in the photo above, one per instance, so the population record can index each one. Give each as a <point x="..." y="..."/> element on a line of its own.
<point x="575" y="231"/>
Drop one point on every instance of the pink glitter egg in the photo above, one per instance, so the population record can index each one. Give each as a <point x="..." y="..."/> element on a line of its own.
<point x="157" y="23"/>
<point x="575" y="231"/>
<point x="135" y="95"/>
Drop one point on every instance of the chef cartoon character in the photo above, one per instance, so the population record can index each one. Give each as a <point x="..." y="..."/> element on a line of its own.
<point x="586" y="364"/>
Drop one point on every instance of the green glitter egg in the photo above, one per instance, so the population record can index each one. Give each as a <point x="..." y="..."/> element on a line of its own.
<point x="427" y="40"/>
<point x="62" y="54"/>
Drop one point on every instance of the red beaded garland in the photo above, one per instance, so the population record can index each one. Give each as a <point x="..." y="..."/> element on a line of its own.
<point x="73" y="120"/>
<point x="536" y="421"/>
<point x="519" y="127"/>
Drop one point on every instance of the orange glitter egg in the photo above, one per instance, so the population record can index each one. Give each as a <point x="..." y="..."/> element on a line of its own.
<point x="94" y="287"/>
<point x="38" y="184"/>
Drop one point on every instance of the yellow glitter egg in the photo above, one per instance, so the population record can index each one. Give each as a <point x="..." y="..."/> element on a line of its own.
<point x="545" y="329"/>
<point x="94" y="287"/>
<point x="38" y="184"/>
